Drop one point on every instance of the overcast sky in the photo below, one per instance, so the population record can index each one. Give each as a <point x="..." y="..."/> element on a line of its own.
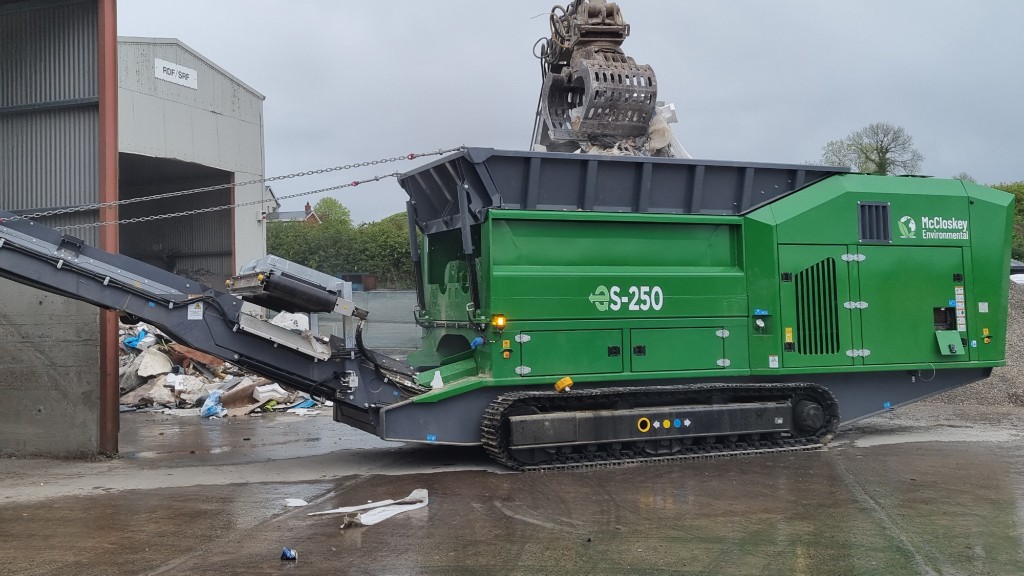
<point x="347" y="81"/>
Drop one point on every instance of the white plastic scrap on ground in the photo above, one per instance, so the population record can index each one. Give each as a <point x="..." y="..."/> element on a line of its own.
<point x="376" y="512"/>
<point x="295" y="502"/>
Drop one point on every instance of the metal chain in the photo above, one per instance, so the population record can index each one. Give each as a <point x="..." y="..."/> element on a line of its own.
<point x="228" y="206"/>
<point x="97" y="206"/>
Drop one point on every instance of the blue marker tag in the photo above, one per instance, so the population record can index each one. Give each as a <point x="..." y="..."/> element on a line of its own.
<point x="952" y="303"/>
<point x="887" y="405"/>
<point x="431" y="438"/>
<point x="974" y="343"/>
<point x="152" y="304"/>
<point x="395" y="393"/>
<point x="677" y="423"/>
<point x="760" y="312"/>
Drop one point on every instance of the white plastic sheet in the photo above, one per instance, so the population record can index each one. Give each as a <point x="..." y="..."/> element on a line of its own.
<point x="376" y="512"/>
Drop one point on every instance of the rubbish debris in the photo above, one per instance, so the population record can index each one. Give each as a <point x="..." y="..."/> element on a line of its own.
<point x="154" y="363"/>
<point x="212" y="407"/>
<point x="141" y="341"/>
<point x="163" y="376"/>
<point x="182" y="353"/>
<point x="182" y="411"/>
<point x="151" y="393"/>
<point x="241" y="395"/>
<point x="295" y="502"/>
<point x="307" y="403"/>
<point x="376" y="512"/>
<point x="270" y="392"/>
<point x="290" y="554"/>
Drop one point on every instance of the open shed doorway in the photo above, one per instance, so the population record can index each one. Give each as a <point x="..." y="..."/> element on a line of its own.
<point x="198" y="246"/>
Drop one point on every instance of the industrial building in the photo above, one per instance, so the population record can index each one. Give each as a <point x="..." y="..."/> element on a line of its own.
<point x="186" y="123"/>
<point x="81" y="111"/>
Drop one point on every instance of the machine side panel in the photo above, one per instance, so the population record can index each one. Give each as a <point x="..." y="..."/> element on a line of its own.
<point x="992" y="221"/>
<point x="597" y="267"/>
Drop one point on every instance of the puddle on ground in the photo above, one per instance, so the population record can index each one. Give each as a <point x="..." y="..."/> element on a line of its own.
<point x="943" y="434"/>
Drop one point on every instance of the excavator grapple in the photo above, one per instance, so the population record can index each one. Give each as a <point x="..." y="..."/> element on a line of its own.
<point x="592" y="91"/>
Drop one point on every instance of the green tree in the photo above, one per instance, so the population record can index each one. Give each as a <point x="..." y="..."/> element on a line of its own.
<point x="336" y="246"/>
<point x="330" y="210"/>
<point x="1017" y="189"/>
<point x="879" y="148"/>
<point x="383" y="249"/>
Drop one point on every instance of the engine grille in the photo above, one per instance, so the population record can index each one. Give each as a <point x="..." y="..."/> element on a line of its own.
<point x="817" y="309"/>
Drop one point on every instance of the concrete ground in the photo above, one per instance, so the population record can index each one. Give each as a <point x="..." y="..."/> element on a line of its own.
<point x="929" y="489"/>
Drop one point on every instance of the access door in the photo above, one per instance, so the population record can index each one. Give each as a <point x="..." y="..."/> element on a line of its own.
<point x="816" y="323"/>
<point x="914" y="304"/>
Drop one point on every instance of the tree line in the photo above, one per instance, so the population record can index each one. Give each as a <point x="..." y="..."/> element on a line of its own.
<point x="336" y="246"/>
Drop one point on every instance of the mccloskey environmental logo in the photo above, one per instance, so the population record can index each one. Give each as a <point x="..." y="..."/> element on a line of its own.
<point x="908" y="227"/>
<point x="934" y="228"/>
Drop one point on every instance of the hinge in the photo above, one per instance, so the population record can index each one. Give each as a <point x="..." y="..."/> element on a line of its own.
<point x="523" y="370"/>
<point x="852" y="305"/>
<point x="854" y="257"/>
<point x="722" y="333"/>
<point x="521" y="338"/>
<point x="724" y="363"/>
<point x="858" y="353"/>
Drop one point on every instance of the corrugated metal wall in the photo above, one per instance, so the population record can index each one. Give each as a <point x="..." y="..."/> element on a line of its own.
<point x="49" y="157"/>
<point x="49" y="115"/>
<point x="198" y="245"/>
<point x="57" y="42"/>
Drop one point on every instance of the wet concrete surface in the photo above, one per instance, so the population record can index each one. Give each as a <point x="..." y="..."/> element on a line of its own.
<point x="925" y="490"/>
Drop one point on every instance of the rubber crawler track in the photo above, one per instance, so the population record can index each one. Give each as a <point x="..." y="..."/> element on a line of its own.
<point x="494" y="426"/>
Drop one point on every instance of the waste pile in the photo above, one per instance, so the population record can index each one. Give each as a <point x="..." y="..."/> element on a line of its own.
<point x="157" y="374"/>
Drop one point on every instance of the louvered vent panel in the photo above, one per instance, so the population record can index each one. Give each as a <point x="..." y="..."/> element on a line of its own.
<point x="873" y="218"/>
<point x="817" y="309"/>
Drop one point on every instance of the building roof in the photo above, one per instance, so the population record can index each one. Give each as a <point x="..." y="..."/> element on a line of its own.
<point x="293" y="216"/>
<point x="175" y="41"/>
<point x="273" y="197"/>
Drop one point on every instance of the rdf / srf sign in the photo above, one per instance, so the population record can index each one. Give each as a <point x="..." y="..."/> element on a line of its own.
<point x="176" y="73"/>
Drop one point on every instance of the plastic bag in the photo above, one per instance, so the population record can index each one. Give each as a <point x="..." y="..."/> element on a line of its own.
<point x="212" y="407"/>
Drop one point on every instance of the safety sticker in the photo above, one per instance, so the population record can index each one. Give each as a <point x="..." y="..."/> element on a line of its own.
<point x="789" y="335"/>
<point x="961" y="308"/>
<point x="773" y="361"/>
<point x="195" y="311"/>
